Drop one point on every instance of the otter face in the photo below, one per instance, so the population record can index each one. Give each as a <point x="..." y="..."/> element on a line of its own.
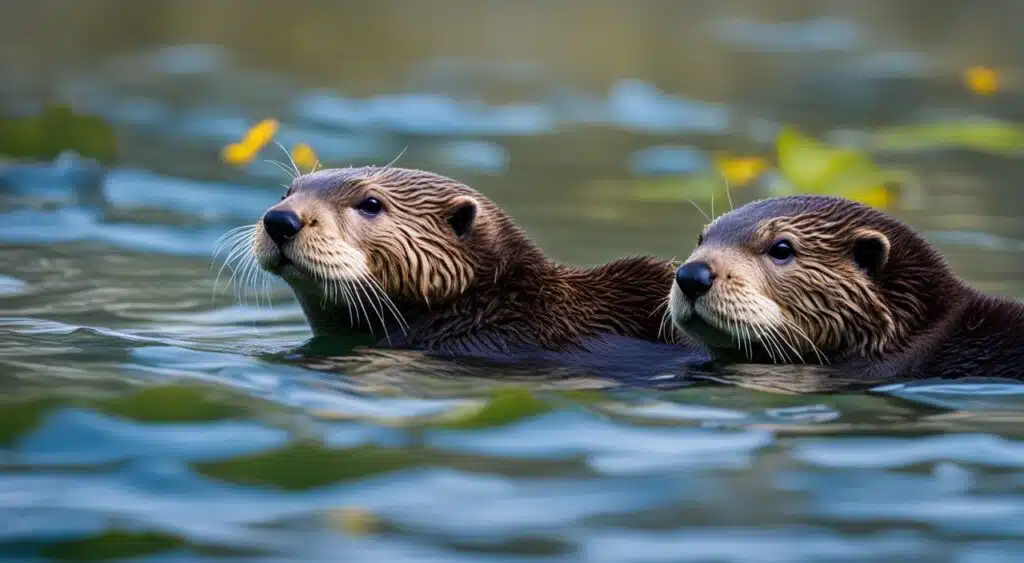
<point x="791" y="279"/>
<point x="343" y="235"/>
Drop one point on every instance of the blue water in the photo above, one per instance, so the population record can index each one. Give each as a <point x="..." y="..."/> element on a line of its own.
<point x="152" y="411"/>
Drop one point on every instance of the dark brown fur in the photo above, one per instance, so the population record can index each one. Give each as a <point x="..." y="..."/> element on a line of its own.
<point x="486" y="292"/>
<point x="876" y="299"/>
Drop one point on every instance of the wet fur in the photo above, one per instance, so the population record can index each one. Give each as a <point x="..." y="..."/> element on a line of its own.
<point x="873" y="297"/>
<point x="464" y="280"/>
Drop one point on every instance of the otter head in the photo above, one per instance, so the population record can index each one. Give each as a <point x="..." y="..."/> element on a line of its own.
<point x="805" y="278"/>
<point x="375" y="240"/>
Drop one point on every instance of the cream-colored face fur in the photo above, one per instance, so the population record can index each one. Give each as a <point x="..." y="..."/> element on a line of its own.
<point x="374" y="238"/>
<point x="737" y="306"/>
<point x="798" y="306"/>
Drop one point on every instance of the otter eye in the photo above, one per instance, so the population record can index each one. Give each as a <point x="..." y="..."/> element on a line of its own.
<point x="370" y="206"/>
<point x="781" y="252"/>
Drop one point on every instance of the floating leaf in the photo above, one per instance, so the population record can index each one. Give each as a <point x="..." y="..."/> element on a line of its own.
<point x="817" y="168"/>
<point x="983" y="135"/>
<point x="114" y="545"/>
<point x="170" y="403"/>
<point x="307" y="465"/>
<point x="811" y="165"/>
<point x="503" y="407"/>
<point x="55" y="130"/>
<point x="120" y="545"/>
<point x="17" y="420"/>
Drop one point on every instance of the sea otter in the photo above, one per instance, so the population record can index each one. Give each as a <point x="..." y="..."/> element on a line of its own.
<point x="425" y="262"/>
<point x="822" y="279"/>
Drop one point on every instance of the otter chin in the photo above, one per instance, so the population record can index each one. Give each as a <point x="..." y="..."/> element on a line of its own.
<point x="422" y="261"/>
<point x="825" y="280"/>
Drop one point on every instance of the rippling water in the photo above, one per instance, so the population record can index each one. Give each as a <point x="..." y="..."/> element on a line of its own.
<point x="150" y="414"/>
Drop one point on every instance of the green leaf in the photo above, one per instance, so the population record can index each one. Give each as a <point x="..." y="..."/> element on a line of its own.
<point x="815" y="167"/>
<point x="503" y="407"/>
<point x="983" y="135"/>
<point x="171" y="403"/>
<point x="17" y="420"/>
<point x="54" y="130"/>
<point x="307" y="465"/>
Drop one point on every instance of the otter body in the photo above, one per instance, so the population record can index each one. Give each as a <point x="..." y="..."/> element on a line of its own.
<point x="820" y="279"/>
<point x="422" y="261"/>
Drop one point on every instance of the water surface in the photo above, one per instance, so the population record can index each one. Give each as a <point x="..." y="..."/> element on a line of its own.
<point x="150" y="416"/>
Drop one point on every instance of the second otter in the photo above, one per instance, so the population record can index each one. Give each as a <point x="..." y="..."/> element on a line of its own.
<point x="827" y="280"/>
<point x="426" y="262"/>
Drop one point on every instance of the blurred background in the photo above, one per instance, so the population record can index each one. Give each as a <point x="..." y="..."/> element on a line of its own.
<point x="153" y="411"/>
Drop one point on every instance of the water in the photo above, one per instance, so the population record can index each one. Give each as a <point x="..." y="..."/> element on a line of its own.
<point x="149" y="416"/>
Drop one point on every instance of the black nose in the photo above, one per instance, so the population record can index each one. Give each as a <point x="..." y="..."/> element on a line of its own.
<point x="281" y="224"/>
<point x="694" y="279"/>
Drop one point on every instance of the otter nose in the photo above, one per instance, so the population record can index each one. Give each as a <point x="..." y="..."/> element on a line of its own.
<point x="281" y="224"/>
<point x="694" y="279"/>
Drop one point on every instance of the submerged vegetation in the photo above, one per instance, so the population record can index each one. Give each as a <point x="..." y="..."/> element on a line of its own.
<point x="54" y="130"/>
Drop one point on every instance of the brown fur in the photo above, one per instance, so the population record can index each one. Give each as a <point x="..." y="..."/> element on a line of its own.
<point x="488" y="291"/>
<point x="865" y="294"/>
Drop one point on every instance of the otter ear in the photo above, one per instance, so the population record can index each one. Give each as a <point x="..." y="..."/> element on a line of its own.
<point x="870" y="251"/>
<point x="461" y="217"/>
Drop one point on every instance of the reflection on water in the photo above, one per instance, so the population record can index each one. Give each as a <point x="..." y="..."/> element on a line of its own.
<point x="150" y="415"/>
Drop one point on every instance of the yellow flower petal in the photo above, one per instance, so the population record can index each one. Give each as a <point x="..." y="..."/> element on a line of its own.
<point x="740" y="171"/>
<point x="982" y="80"/>
<point x="304" y="156"/>
<point x="237" y="154"/>
<point x="880" y="197"/>
<point x="261" y="134"/>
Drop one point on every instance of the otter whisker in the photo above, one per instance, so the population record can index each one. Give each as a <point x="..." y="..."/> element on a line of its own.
<point x="336" y="293"/>
<point x="383" y="297"/>
<point x="231" y="243"/>
<point x="383" y="324"/>
<point x="702" y="212"/>
<point x="231" y="234"/>
<point x="358" y="299"/>
<point x="347" y="292"/>
<point x="766" y="330"/>
<point x="727" y="194"/>
<point x="382" y="300"/>
<point x="749" y="340"/>
<point x="250" y="280"/>
<point x="765" y="343"/>
<point x="321" y="271"/>
<point x="781" y="339"/>
<point x="661" y="325"/>
<point x="280" y="165"/>
<point x="821" y="357"/>
<point x="388" y="166"/>
<point x="663" y="303"/>
<point x="295" y="167"/>
<point x="340" y="291"/>
<point x="235" y="250"/>
<point x="238" y="279"/>
<point x="745" y="333"/>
